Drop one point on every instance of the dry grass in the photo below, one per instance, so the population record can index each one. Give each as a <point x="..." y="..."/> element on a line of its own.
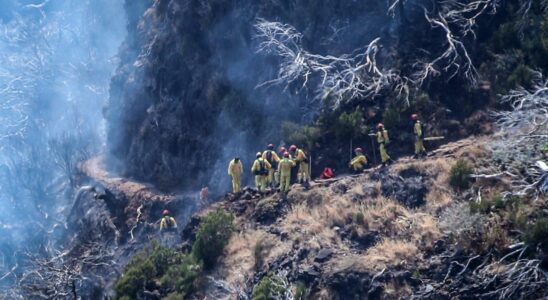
<point x="239" y="260"/>
<point x="396" y="290"/>
<point x="384" y="215"/>
<point x="311" y="227"/>
<point x="425" y="230"/>
<point x="391" y="253"/>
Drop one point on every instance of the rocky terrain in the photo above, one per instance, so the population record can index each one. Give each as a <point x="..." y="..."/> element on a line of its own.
<point x="395" y="233"/>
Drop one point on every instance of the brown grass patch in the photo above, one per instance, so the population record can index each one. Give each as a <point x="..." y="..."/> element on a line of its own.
<point x="381" y="214"/>
<point x="311" y="227"/>
<point x="391" y="253"/>
<point x="239" y="260"/>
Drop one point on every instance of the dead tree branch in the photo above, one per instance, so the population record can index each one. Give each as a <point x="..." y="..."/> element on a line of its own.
<point x="338" y="78"/>
<point x="521" y="138"/>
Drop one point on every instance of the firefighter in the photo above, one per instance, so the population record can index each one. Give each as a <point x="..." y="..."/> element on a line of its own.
<point x="359" y="162"/>
<point x="284" y="169"/>
<point x="167" y="222"/>
<point x="281" y="152"/>
<point x="235" y="170"/>
<point x="383" y="140"/>
<point x="302" y="162"/>
<point x="260" y="170"/>
<point x="419" y="137"/>
<point x="273" y="159"/>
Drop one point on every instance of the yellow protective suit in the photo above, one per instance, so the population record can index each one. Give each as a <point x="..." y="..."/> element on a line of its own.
<point x="260" y="179"/>
<point x="284" y="169"/>
<point x="382" y="139"/>
<point x="301" y="158"/>
<point x="274" y="160"/>
<point x="164" y="224"/>
<point x="358" y="162"/>
<point x="419" y="145"/>
<point x="235" y="170"/>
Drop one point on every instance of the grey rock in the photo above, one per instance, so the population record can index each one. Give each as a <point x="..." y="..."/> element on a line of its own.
<point x="323" y="255"/>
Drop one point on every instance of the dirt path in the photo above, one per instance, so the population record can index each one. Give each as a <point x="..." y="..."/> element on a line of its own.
<point x="132" y="189"/>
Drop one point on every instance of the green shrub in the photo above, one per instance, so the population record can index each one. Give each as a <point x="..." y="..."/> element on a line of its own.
<point x="301" y="292"/>
<point x="482" y="207"/>
<point x="259" y="253"/>
<point x="350" y="125"/>
<point x="486" y="206"/>
<point x="174" y="296"/>
<point x="137" y="275"/>
<point x="459" y="175"/>
<point x="537" y="234"/>
<point x="212" y="237"/>
<point x="144" y="267"/>
<point x="391" y="117"/>
<point x="522" y="75"/>
<point x="271" y="286"/>
<point x="175" y="270"/>
<point x="304" y="136"/>
<point x="359" y="218"/>
<point x="181" y="275"/>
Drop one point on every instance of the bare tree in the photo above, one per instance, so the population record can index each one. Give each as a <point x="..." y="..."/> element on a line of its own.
<point x="525" y="7"/>
<point x="521" y="140"/>
<point x="62" y="276"/>
<point x="457" y="19"/>
<point x="337" y="78"/>
<point x="359" y="75"/>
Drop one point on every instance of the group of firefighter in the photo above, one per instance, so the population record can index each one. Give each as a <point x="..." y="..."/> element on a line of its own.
<point x="271" y="171"/>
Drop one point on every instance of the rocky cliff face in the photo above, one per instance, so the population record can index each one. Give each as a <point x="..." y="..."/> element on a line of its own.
<point x="185" y="99"/>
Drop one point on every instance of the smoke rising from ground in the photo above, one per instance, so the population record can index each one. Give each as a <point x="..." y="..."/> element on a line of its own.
<point x="56" y="60"/>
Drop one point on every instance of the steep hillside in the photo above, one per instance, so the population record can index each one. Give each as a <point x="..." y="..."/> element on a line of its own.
<point x="400" y="232"/>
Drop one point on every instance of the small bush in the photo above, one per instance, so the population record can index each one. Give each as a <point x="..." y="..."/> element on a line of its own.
<point x="270" y="287"/>
<point x="137" y="275"/>
<point x="459" y="175"/>
<point x="301" y="292"/>
<point x="304" y="136"/>
<point x="494" y="237"/>
<point x="212" y="237"/>
<point x="517" y="215"/>
<point x="359" y="218"/>
<point x="259" y="253"/>
<point x="143" y="269"/>
<point x="350" y="126"/>
<point x="482" y="207"/>
<point x="486" y="206"/>
<point x="537" y="234"/>
<point x="391" y="117"/>
<point x="180" y="276"/>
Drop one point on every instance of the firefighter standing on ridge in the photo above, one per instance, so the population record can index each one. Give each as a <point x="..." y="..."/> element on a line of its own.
<point x="167" y="222"/>
<point x="260" y="170"/>
<point x="302" y="162"/>
<point x="235" y="170"/>
<point x="281" y="153"/>
<point x="419" y="137"/>
<point x="284" y="169"/>
<point x="383" y="140"/>
<point x="359" y="162"/>
<point x="273" y="159"/>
